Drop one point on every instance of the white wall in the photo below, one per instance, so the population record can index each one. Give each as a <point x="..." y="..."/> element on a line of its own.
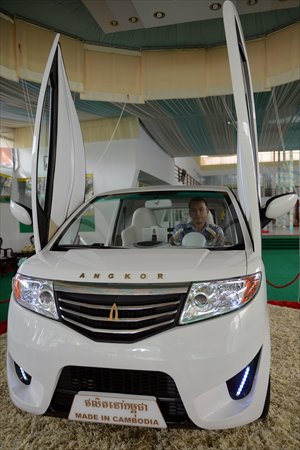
<point x="111" y="169"/>
<point x="25" y="162"/>
<point x="191" y="167"/>
<point x="118" y="166"/>
<point x="153" y="160"/>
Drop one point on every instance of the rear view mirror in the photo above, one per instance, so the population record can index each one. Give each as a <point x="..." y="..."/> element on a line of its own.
<point x="277" y="206"/>
<point x="21" y="213"/>
<point x="158" y="203"/>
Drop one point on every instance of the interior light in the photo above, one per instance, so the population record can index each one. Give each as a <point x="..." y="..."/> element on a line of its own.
<point x="215" y="6"/>
<point x="133" y="19"/>
<point x="114" y="23"/>
<point x="252" y="2"/>
<point x="204" y="156"/>
<point x="159" y="15"/>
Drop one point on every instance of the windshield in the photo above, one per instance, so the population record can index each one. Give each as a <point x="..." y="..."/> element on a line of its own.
<point x="183" y="219"/>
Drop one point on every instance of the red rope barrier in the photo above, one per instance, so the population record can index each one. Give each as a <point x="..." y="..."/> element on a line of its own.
<point x="285" y="285"/>
<point x="3" y="327"/>
<point x="4" y="301"/>
<point x="294" y="305"/>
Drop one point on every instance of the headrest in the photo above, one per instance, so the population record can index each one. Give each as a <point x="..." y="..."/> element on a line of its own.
<point x="210" y="219"/>
<point x="143" y="218"/>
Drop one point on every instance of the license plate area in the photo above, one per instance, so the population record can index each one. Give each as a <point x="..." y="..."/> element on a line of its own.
<point x="117" y="409"/>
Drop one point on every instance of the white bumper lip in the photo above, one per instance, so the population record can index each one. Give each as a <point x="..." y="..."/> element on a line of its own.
<point x="152" y="266"/>
<point x="199" y="357"/>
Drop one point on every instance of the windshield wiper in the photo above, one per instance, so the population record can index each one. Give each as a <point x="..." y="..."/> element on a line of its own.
<point x="64" y="247"/>
<point x="239" y="246"/>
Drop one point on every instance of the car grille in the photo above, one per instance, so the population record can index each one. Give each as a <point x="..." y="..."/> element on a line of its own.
<point x="119" y="314"/>
<point x="119" y="381"/>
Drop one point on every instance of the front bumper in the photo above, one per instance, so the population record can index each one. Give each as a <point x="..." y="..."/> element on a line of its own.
<point x="199" y="357"/>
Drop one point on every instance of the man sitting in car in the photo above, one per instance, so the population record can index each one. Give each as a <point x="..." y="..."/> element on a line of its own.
<point x="199" y="212"/>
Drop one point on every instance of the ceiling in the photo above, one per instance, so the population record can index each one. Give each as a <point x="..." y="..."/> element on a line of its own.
<point x="187" y="23"/>
<point x="184" y="24"/>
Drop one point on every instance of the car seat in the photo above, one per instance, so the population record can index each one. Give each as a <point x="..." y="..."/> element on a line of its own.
<point x="210" y="219"/>
<point x="141" y="228"/>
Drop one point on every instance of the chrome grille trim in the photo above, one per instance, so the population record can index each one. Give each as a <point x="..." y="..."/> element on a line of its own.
<point x="119" y="313"/>
<point x="125" y="308"/>
<point x="105" y="330"/>
<point x="121" y="320"/>
<point x="124" y="289"/>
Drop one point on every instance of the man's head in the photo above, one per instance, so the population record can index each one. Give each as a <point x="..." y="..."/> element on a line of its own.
<point x="198" y="211"/>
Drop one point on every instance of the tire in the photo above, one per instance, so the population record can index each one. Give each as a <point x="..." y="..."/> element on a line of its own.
<point x="265" y="411"/>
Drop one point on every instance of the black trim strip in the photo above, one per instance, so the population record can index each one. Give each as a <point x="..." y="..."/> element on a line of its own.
<point x="44" y="214"/>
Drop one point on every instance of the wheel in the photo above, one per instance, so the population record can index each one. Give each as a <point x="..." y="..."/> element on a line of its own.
<point x="265" y="412"/>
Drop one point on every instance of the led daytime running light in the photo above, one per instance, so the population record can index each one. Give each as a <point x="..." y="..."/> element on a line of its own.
<point x="24" y="374"/>
<point x="241" y="386"/>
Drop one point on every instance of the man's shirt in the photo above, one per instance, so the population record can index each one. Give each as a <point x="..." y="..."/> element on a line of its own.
<point x="213" y="233"/>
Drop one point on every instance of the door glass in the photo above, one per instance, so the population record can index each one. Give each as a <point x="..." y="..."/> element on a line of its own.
<point x="44" y="145"/>
<point x="249" y="100"/>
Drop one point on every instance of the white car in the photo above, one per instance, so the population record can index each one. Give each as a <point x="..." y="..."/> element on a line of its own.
<point x="109" y="322"/>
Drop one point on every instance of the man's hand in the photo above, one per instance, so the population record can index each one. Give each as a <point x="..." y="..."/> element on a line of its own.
<point x="175" y="239"/>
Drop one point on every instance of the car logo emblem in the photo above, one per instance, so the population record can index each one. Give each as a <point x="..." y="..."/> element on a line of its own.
<point x="114" y="313"/>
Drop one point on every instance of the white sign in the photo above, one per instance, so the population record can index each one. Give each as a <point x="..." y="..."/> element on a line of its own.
<point x="117" y="409"/>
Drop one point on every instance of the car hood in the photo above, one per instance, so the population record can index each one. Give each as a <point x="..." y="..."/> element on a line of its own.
<point x="135" y="265"/>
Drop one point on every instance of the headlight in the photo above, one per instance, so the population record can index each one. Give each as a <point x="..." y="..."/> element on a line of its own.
<point x="212" y="298"/>
<point x="35" y="294"/>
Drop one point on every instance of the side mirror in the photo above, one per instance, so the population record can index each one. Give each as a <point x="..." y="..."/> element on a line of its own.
<point x="277" y="206"/>
<point x="21" y="213"/>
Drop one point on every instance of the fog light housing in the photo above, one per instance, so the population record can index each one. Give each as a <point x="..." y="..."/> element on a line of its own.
<point x="22" y="375"/>
<point x="240" y="385"/>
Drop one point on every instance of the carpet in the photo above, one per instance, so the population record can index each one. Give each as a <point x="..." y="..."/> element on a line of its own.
<point x="280" y="431"/>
